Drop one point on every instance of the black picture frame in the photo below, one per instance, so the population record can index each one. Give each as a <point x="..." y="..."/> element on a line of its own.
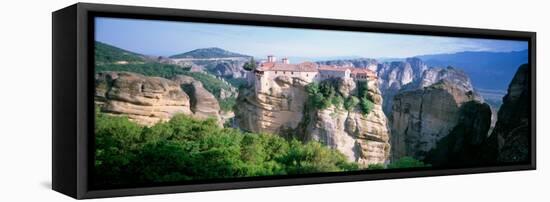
<point x="73" y="90"/>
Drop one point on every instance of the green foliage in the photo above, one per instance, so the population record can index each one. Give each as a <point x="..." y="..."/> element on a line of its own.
<point x="407" y="162"/>
<point x="227" y="104"/>
<point x="322" y="95"/>
<point x="376" y="167"/>
<point x="250" y="65"/>
<point x="351" y="102"/>
<point x="105" y="53"/>
<point x="210" y="83"/>
<point x="213" y="52"/>
<point x="188" y="149"/>
<point x="366" y="103"/>
<point x="237" y="82"/>
<point x="147" y="69"/>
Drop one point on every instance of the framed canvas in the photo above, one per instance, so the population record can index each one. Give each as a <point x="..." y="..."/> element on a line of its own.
<point x="156" y="100"/>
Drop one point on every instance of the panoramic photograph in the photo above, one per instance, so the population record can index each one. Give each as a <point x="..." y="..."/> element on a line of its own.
<point x="185" y="102"/>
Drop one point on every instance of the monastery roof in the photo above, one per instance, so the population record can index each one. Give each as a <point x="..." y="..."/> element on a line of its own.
<point x="361" y="71"/>
<point x="332" y="68"/>
<point x="275" y="66"/>
<point x="310" y="67"/>
<point x="368" y="72"/>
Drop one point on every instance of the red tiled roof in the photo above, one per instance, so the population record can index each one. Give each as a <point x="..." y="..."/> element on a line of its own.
<point x="332" y="68"/>
<point x="302" y="67"/>
<point x="363" y="71"/>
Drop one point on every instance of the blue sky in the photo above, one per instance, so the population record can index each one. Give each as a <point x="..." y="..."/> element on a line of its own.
<point x="165" y="38"/>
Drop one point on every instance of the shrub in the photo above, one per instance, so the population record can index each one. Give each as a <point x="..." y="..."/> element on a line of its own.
<point x="407" y="162"/>
<point x="250" y="65"/>
<point x="351" y="102"/>
<point x="366" y="105"/>
<point x="376" y="167"/>
<point x="189" y="149"/>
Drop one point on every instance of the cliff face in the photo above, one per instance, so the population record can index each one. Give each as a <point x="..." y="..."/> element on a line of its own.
<point x="203" y="103"/>
<point x="283" y="108"/>
<point x="464" y="145"/>
<point x="145" y="100"/>
<point x="396" y="75"/>
<point x="148" y="100"/>
<point x="362" y="138"/>
<point x="510" y="137"/>
<point x="272" y="110"/>
<point x="426" y="111"/>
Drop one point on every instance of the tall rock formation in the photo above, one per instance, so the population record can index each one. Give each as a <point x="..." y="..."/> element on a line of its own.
<point x="145" y="100"/>
<point x="423" y="115"/>
<point x="272" y="110"/>
<point x="284" y="109"/>
<point x="396" y="75"/>
<point x="511" y="136"/>
<point x="464" y="145"/>
<point x="362" y="138"/>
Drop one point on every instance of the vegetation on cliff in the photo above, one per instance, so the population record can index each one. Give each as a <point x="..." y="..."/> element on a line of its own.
<point x="105" y="53"/>
<point x="325" y="94"/>
<point x="189" y="149"/>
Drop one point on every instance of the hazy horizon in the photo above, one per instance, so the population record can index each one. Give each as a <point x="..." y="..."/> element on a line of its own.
<point x="166" y="38"/>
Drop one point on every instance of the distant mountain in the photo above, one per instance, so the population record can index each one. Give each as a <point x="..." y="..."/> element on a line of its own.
<point x="105" y="53"/>
<point x="356" y="62"/>
<point x="488" y="70"/>
<point x="204" y="53"/>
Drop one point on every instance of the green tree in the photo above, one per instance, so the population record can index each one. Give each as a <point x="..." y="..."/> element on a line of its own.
<point x="351" y="102"/>
<point x="366" y="105"/>
<point x="250" y="65"/>
<point x="407" y="162"/>
<point x="189" y="149"/>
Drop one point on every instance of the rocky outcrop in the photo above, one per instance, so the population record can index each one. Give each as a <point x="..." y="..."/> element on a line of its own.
<point x="362" y="138"/>
<point x="511" y="136"/>
<point x="149" y="100"/>
<point x="272" y="110"/>
<point x="435" y="74"/>
<point x="421" y="118"/>
<point x="283" y="109"/>
<point x="203" y="104"/>
<point x="464" y="145"/>
<point x="392" y="77"/>
<point x="358" y="63"/>
<point x="229" y="68"/>
<point x="145" y="100"/>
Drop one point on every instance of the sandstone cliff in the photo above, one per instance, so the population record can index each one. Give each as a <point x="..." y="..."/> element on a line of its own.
<point x="148" y="100"/>
<point x="283" y="109"/>
<point x="145" y="100"/>
<point x="272" y="110"/>
<point x="362" y="138"/>
<point x="395" y="75"/>
<point x="203" y="103"/>
<point x="427" y="110"/>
